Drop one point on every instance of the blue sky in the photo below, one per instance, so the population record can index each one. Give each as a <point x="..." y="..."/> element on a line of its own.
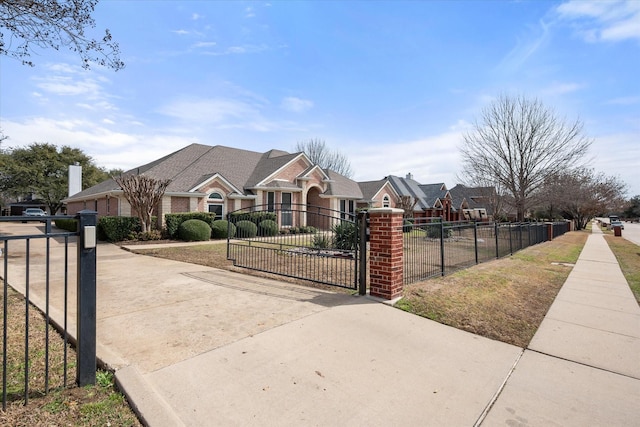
<point x="393" y="85"/>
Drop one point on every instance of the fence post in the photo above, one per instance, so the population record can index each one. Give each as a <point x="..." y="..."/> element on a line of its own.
<point x="362" y="271"/>
<point x="386" y="266"/>
<point x="475" y="238"/>
<point x="442" y="268"/>
<point x="86" y="296"/>
<point x="495" y="224"/>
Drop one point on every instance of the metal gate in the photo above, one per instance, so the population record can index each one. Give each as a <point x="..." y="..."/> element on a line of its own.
<point x="301" y="241"/>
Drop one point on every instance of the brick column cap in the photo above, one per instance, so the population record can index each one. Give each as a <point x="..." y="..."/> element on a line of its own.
<point x="374" y="211"/>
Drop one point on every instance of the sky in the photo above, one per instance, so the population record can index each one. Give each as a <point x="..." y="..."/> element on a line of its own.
<point x="392" y="85"/>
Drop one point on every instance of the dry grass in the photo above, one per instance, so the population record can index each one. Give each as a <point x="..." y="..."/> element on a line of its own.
<point x="215" y="255"/>
<point x="505" y="299"/>
<point x="628" y="255"/>
<point x="98" y="405"/>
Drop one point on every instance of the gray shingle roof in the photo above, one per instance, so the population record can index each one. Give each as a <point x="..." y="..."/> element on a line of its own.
<point x="341" y="186"/>
<point x="410" y="187"/>
<point x="371" y="188"/>
<point x="192" y="165"/>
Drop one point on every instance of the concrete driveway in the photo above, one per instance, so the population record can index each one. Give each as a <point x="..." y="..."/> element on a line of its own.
<point x="198" y="346"/>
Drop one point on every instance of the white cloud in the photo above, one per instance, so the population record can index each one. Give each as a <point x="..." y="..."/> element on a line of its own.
<point x="204" y="44"/>
<point x="296" y="105"/>
<point x="110" y="149"/>
<point x="603" y="20"/>
<point x="196" y="16"/>
<point x="625" y="100"/>
<point x="526" y="47"/>
<point x="249" y="12"/>
<point x="431" y="159"/>
<point x="561" y="88"/>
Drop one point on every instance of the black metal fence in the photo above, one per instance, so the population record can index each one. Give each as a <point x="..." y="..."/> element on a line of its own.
<point x="300" y="241"/>
<point x="437" y="248"/>
<point x="27" y="254"/>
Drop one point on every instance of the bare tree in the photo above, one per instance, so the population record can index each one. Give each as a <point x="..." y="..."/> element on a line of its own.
<point x="52" y="24"/>
<point x="323" y="156"/>
<point x="143" y="194"/>
<point x="407" y="203"/>
<point x="581" y="194"/>
<point x="518" y="144"/>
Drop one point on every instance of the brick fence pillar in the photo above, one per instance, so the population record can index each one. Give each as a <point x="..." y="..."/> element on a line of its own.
<point x="385" y="252"/>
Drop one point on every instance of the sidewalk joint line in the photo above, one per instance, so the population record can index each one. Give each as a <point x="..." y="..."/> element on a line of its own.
<point x="493" y="400"/>
<point x="585" y="364"/>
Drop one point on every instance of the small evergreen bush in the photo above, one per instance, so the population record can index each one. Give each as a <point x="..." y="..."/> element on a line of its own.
<point x="246" y="229"/>
<point x="268" y="227"/>
<point x="220" y="229"/>
<point x="407" y="226"/>
<point x="345" y="236"/>
<point x="67" y="224"/>
<point x="173" y="221"/>
<point x="194" y="230"/>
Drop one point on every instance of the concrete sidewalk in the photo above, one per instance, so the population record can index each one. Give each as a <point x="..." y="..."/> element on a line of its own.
<point x="198" y="346"/>
<point x="583" y="365"/>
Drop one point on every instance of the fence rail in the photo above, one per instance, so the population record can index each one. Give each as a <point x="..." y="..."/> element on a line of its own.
<point x="300" y="241"/>
<point x="437" y="248"/>
<point x="27" y="254"/>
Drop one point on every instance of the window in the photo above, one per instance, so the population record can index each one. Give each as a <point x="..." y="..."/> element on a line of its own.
<point x="215" y="204"/>
<point x="346" y="206"/>
<point x="386" y="202"/>
<point x="271" y="201"/>
<point x="286" y="215"/>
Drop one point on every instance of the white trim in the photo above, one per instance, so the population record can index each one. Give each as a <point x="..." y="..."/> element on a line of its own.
<point x="307" y="177"/>
<point x="213" y="177"/>
<point x="387" y="183"/>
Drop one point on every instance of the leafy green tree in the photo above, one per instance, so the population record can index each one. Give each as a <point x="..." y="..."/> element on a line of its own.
<point x="41" y="170"/>
<point x="633" y="208"/>
<point x="54" y="24"/>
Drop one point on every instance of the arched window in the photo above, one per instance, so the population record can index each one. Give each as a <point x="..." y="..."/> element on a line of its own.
<point x="215" y="204"/>
<point x="386" y="202"/>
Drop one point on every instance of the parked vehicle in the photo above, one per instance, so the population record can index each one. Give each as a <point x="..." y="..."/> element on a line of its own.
<point x="617" y="224"/>
<point x="33" y="212"/>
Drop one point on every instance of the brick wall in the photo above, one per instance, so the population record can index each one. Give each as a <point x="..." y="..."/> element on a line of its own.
<point x="385" y="254"/>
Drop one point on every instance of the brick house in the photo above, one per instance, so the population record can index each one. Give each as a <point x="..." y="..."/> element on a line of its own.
<point x="223" y="179"/>
<point x="431" y="200"/>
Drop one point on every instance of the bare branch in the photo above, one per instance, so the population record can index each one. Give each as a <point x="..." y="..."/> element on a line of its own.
<point x="519" y="143"/>
<point x="52" y="24"/>
<point x="143" y="194"/>
<point x="321" y="155"/>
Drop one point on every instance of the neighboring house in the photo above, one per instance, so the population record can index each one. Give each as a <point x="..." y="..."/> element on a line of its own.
<point x="476" y="203"/>
<point x="378" y="194"/>
<point x="431" y="200"/>
<point x="223" y="179"/>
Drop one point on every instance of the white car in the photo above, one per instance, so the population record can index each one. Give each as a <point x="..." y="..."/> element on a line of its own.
<point x="616" y="224"/>
<point x="34" y="212"/>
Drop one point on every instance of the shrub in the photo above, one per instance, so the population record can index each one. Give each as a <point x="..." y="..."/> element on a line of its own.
<point x="345" y="236"/>
<point x="146" y="235"/>
<point x="220" y="229"/>
<point x="246" y="229"/>
<point x="321" y="241"/>
<point x="173" y="221"/>
<point x="194" y="230"/>
<point x="117" y="228"/>
<point x="254" y="217"/>
<point x="67" y="224"/>
<point x="407" y="226"/>
<point x="268" y="227"/>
